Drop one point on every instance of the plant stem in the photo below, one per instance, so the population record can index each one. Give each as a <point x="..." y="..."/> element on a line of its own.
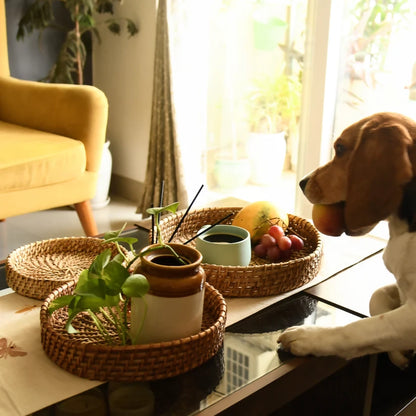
<point x="100" y="326"/>
<point x="136" y="335"/>
<point x="78" y="40"/>
<point x="114" y="320"/>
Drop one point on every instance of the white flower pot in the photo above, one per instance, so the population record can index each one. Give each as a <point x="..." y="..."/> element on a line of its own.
<point x="267" y="154"/>
<point x="101" y="198"/>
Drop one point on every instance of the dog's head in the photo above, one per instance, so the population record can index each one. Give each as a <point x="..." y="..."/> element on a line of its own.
<point x="374" y="160"/>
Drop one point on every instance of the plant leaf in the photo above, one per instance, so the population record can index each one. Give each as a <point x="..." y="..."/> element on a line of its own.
<point x="135" y="286"/>
<point x="95" y="302"/>
<point x="60" y="302"/>
<point x="114" y="276"/>
<point x="158" y="210"/>
<point x="99" y="263"/>
<point x="128" y="240"/>
<point x="113" y="234"/>
<point x="93" y="287"/>
<point x="68" y="326"/>
<point x="119" y="258"/>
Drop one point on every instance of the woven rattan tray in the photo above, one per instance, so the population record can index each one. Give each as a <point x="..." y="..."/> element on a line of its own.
<point x="36" y="269"/>
<point x="259" y="278"/>
<point x="87" y="355"/>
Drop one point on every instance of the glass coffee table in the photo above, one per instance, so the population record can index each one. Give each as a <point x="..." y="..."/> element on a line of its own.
<point x="249" y="363"/>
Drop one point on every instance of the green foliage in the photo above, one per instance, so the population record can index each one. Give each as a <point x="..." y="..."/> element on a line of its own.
<point x="103" y="292"/>
<point x="68" y="68"/>
<point x="374" y="21"/>
<point x="104" y="289"/>
<point x="274" y="103"/>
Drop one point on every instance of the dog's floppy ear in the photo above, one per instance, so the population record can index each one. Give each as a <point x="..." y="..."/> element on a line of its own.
<point x="379" y="168"/>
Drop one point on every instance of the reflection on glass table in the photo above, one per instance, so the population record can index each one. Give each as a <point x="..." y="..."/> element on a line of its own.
<point x="250" y="351"/>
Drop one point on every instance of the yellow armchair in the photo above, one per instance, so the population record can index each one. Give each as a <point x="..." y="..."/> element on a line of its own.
<point x="51" y="142"/>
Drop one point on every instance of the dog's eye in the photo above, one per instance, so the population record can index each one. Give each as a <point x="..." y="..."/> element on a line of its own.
<point x="339" y="149"/>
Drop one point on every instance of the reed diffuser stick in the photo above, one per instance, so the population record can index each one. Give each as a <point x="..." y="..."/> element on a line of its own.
<point x="153" y="227"/>
<point x="207" y="229"/>
<point x="162" y="190"/>
<point x="186" y="213"/>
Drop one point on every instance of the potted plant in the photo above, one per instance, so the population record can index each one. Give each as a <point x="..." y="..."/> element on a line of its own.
<point x="70" y="62"/>
<point x="273" y="108"/>
<point x="69" y="66"/>
<point x="160" y="289"/>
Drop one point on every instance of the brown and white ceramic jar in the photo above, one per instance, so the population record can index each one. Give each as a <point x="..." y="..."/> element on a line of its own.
<point x="173" y="307"/>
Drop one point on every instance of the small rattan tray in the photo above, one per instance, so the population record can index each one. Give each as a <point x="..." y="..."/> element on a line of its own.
<point x="259" y="278"/>
<point x="36" y="269"/>
<point x="86" y="354"/>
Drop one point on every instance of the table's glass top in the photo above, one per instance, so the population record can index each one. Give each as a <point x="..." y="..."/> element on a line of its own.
<point x="249" y="352"/>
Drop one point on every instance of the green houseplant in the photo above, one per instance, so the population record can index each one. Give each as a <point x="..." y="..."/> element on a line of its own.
<point x="68" y="68"/>
<point x="105" y="290"/>
<point x="273" y="103"/>
<point x="69" y="65"/>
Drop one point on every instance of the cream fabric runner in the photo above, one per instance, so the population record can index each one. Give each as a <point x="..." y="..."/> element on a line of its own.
<point x="30" y="381"/>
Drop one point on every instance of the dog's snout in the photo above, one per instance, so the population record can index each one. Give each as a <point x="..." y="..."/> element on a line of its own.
<point x="303" y="183"/>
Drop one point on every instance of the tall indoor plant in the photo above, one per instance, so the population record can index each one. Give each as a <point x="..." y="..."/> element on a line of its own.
<point x="70" y="63"/>
<point x="69" y="66"/>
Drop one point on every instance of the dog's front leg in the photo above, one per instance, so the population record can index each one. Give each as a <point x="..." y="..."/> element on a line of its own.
<point x="394" y="330"/>
<point x="383" y="300"/>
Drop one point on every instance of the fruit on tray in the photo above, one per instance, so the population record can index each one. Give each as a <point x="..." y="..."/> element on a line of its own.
<point x="276" y="245"/>
<point x="257" y="218"/>
<point x="329" y="219"/>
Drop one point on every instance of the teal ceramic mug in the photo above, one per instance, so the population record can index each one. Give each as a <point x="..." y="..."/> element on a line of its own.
<point x="226" y="245"/>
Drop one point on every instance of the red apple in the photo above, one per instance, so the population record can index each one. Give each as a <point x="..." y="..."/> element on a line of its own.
<point x="329" y="219"/>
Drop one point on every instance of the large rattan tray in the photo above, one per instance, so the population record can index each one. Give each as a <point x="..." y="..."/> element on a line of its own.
<point x="260" y="277"/>
<point x="36" y="269"/>
<point x="87" y="355"/>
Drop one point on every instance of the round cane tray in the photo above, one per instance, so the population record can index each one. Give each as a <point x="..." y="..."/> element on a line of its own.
<point x="260" y="277"/>
<point x="86" y="353"/>
<point x="36" y="269"/>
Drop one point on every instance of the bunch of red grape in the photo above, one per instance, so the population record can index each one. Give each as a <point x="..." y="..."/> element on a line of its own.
<point x="275" y="245"/>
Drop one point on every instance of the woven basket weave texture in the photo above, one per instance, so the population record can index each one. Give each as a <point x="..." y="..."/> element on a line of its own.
<point x="86" y="354"/>
<point x="260" y="278"/>
<point x="36" y="269"/>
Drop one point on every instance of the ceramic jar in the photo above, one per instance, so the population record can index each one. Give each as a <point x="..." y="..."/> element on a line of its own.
<point x="173" y="307"/>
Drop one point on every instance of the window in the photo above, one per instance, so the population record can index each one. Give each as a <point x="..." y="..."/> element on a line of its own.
<point x="302" y="70"/>
<point x="237" y="70"/>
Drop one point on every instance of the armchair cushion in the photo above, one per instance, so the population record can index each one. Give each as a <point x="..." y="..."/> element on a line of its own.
<point x="31" y="158"/>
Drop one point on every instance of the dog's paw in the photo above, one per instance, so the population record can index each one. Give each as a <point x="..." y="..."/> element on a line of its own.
<point x="400" y="359"/>
<point x="304" y="340"/>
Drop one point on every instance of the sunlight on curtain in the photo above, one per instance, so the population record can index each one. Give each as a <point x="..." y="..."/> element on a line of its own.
<point x="189" y="22"/>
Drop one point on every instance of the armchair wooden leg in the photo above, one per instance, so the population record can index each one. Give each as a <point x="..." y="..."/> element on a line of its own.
<point x="86" y="217"/>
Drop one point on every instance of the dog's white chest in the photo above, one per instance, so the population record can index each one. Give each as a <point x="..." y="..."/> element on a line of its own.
<point x="400" y="259"/>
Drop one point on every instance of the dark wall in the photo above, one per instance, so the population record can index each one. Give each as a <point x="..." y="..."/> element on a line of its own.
<point x="32" y="57"/>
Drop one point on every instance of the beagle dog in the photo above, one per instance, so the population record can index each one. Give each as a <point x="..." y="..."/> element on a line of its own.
<point x="373" y="172"/>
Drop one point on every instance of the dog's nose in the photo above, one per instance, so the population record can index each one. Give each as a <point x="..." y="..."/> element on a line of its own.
<point x="303" y="183"/>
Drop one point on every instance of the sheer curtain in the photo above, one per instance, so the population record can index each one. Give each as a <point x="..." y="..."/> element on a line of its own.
<point x="189" y="30"/>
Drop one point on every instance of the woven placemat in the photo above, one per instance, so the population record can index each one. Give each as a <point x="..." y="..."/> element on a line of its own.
<point x="36" y="269"/>
<point x="86" y="353"/>
<point x="260" y="277"/>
